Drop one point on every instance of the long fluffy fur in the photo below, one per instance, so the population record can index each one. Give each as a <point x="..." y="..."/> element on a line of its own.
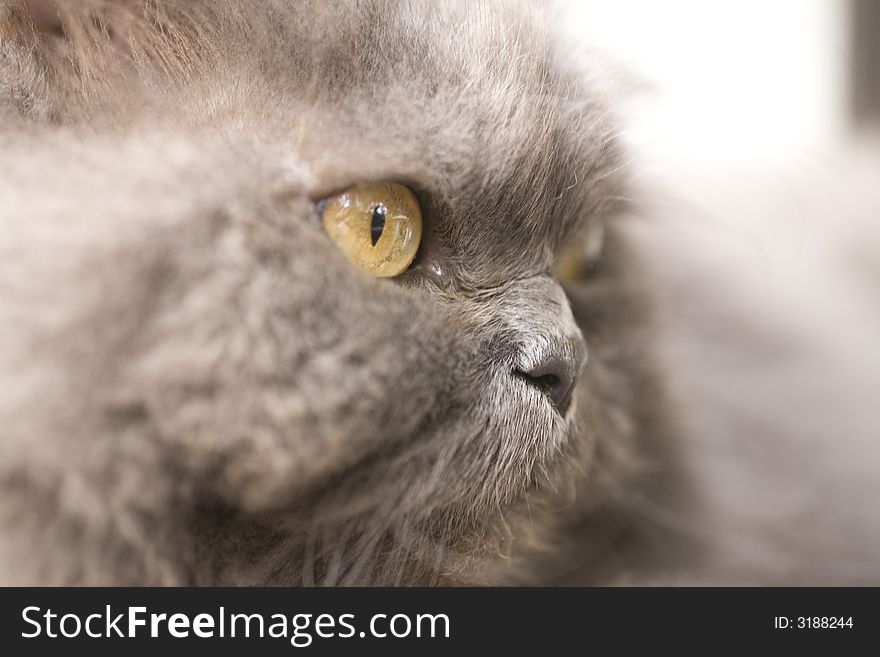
<point x="197" y="388"/>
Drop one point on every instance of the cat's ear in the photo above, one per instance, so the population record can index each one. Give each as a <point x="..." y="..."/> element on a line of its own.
<point x="43" y="16"/>
<point x="90" y="42"/>
<point x="41" y="19"/>
<point x="55" y="24"/>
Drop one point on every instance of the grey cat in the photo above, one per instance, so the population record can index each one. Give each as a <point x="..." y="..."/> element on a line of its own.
<point x="198" y="386"/>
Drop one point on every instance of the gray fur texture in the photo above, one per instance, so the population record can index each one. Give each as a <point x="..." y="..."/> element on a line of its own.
<point x="197" y="388"/>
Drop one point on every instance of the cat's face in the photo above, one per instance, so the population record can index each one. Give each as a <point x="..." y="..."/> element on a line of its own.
<point x="424" y="404"/>
<point x="508" y="156"/>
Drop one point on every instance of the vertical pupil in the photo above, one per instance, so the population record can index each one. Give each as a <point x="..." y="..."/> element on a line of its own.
<point x="377" y="225"/>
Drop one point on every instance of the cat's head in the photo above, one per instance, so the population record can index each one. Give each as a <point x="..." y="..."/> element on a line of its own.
<point x="309" y="393"/>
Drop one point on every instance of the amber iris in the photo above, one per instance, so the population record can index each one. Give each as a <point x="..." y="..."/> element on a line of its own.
<point x="378" y="226"/>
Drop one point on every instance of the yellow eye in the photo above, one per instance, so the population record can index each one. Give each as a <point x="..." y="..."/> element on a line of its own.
<point x="378" y="226"/>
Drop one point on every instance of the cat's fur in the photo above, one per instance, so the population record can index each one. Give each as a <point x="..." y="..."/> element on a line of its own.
<point x="198" y="388"/>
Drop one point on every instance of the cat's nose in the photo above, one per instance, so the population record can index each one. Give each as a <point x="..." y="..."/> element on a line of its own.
<point x="556" y="372"/>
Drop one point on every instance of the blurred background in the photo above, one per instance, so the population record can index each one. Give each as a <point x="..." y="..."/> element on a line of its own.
<point x="736" y="79"/>
<point x="754" y="128"/>
<point x="758" y="121"/>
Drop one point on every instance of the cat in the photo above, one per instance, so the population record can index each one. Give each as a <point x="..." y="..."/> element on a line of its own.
<point x="199" y="386"/>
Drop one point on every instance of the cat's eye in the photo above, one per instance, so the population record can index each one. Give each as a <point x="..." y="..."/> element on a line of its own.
<point x="581" y="255"/>
<point x="377" y="226"/>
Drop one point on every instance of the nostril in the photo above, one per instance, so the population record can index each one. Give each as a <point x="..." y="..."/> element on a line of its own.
<point x="546" y="383"/>
<point x="555" y="376"/>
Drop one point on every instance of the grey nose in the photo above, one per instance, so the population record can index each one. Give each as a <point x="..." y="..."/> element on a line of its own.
<point x="556" y="373"/>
